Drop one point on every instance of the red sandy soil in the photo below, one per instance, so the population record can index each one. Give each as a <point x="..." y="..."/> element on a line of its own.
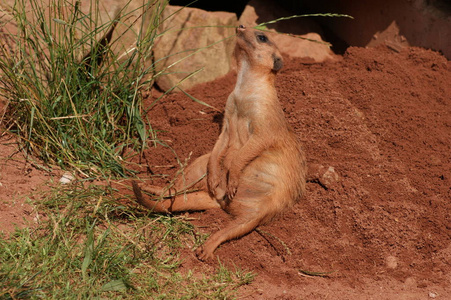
<point x="382" y="119"/>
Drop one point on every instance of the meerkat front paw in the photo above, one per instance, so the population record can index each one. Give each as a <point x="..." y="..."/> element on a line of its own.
<point x="212" y="182"/>
<point x="232" y="185"/>
<point x="204" y="254"/>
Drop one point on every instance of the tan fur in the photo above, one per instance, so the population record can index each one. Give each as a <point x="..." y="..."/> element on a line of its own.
<point x="257" y="167"/>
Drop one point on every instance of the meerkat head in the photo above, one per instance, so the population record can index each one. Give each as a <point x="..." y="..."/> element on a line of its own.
<point x="257" y="49"/>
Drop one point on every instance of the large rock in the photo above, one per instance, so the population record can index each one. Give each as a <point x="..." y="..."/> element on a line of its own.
<point x="259" y="11"/>
<point x="133" y="15"/>
<point x="178" y="52"/>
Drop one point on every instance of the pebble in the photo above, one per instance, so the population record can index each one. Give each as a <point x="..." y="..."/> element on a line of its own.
<point x="66" y="178"/>
<point x="391" y="262"/>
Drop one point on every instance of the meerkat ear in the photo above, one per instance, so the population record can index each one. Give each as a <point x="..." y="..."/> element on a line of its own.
<point x="278" y="63"/>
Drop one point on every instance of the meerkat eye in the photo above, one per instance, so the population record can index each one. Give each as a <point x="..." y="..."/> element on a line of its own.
<point x="262" y="38"/>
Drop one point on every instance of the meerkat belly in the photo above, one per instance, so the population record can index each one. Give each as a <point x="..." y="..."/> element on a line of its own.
<point x="265" y="190"/>
<point x="272" y="181"/>
<point x="271" y="169"/>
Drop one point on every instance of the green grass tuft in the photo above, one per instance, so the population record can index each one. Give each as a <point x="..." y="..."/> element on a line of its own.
<point x="89" y="246"/>
<point x="72" y="101"/>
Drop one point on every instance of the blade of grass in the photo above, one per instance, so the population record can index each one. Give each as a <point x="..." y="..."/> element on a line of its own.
<point x="330" y="15"/>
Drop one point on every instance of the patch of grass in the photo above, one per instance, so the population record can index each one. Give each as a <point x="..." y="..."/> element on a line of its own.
<point x="73" y="101"/>
<point x="89" y="246"/>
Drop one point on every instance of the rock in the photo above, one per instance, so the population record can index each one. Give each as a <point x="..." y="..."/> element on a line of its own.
<point x="174" y="45"/>
<point x="325" y="176"/>
<point x="432" y="295"/>
<point x="390" y="36"/>
<point x="391" y="262"/>
<point x="135" y="18"/>
<point x="67" y="178"/>
<point x="259" y="11"/>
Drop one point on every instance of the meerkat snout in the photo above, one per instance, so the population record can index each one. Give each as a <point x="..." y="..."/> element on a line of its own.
<point x="278" y="63"/>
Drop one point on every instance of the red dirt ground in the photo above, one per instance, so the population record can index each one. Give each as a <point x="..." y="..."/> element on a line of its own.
<point x="382" y="119"/>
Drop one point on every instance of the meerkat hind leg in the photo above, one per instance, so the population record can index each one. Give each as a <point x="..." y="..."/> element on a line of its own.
<point x="190" y="202"/>
<point x="200" y="200"/>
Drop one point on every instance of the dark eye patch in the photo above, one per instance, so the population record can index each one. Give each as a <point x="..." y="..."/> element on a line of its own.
<point x="262" y="38"/>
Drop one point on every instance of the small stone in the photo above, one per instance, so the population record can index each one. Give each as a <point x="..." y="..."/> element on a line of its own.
<point x="330" y="176"/>
<point x="66" y="178"/>
<point x="326" y="176"/>
<point x="391" y="262"/>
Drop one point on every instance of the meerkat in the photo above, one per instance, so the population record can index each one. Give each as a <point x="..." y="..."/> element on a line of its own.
<point x="257" y="168"/>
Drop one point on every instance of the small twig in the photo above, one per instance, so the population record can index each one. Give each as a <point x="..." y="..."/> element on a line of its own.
<point x="311" y="274"/>
<point x="262" y="232"/>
